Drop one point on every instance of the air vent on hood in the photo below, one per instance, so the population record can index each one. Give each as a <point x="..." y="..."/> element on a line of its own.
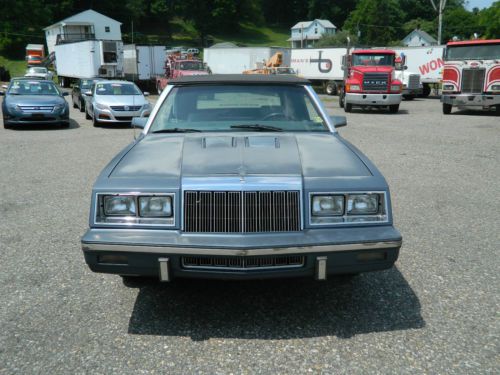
<point x="262" y="142"/>
<point x="219" y="142"/>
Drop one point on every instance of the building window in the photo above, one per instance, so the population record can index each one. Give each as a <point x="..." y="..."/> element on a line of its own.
<point x="106" y="28"/>
<point x="315" y="30"/>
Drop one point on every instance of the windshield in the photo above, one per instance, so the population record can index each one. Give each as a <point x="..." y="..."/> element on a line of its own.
<point x="86" y="83"/>
<point x="117" y="88"/>
<point x="24" y="87"/>
<point x="373" y="59"/>
<point x="236" y="107"/>
<point x="191" y="65"/>
<point x="468" y="52"/>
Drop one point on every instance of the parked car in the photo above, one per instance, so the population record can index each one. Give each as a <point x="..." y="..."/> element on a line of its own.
<point x="39" y="72"/>
<point x="78" y="96"/>
<point x="34" y="101"/>
<point x="115" y="102"/>
<point x="240" y="177"/>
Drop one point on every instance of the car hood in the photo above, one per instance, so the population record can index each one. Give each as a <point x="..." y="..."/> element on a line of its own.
<point x="34" y="99"/>
<point x="121" y="99"/>
<point x="241" y="154"/>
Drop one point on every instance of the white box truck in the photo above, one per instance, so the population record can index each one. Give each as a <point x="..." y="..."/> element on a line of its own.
<point x="143" y="63"/>
<point x="88" y="59"/>
<point x="234" y="60"/>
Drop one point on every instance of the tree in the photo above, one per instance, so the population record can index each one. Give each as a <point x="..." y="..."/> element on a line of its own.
<point x="489" y="20"/>
<point x="378" y="21"/>
<point x="337" y="40"/>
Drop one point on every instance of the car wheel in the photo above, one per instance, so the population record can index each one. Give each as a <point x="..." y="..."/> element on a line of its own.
<point x="347" y="107"/>
<point x="394" y="108"/>
<point x="447" y="108"/>
<point x="74" y="104"/>
<point x="497" y="110"/>
<point x="133" y="281"/>
<point x="341" y="99"/>
<point x="82" y="106"/>
<point x="95" y="122"/>
<point x="87" y="116"/>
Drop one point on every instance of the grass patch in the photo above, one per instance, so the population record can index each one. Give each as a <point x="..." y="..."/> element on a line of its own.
<point x="16" y="68"/>
<point x="253" y="35"/>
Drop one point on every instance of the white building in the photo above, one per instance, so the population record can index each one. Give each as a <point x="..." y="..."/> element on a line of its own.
<point x="87" y="25"/>
<point x="419" y="38"/>
<point x="306" y="33"/>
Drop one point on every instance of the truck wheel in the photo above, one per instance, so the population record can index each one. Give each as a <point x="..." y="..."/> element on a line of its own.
<point x="61" y="81"/>
<point x="447" y="108"/>
<point x="341" y="99"/>
<point x="426" y="91"/>
<point x="409" y="97"/>
<point x="331" y="88"/>
<point x="347" y="107"/>
<point x="394" y="108"/>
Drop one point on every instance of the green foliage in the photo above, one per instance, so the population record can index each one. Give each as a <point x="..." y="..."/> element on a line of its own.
<point x="459" y="22"/>
<point x="489" y="20"/>
<point x="337" y="40"/>
<point x="429" y="27"/>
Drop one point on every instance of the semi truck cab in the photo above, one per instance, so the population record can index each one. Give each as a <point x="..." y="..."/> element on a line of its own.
<point x="370" y="80"/>
<point x="471" y="75"/>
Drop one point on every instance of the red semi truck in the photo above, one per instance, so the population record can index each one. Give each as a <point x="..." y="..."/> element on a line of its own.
<point x="369" y="80"/>
<point x="178" y="65"/>
<point x="471" y="75"/>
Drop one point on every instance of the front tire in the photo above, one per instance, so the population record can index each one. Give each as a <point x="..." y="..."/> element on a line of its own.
<point x="394" y="108"/>
<point x="341" y="99"/>
<point x="348" y="107"/>
<point x="447" y="108"/>
<point x="426" y="91"/>
<point x="331" y="88"/>
<point x="82" y="106"/>
<point x="95" y="122"/>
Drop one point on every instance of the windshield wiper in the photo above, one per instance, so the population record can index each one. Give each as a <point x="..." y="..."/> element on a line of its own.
<point x="177" y="130"/>
<point x="258" y="127"/>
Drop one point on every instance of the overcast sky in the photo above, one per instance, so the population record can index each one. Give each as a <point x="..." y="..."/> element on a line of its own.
<point x="479" y="4"/>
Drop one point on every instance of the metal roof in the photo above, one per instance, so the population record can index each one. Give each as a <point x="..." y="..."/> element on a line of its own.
<point x="240" y="78"/>
<point x="305" y="24"/>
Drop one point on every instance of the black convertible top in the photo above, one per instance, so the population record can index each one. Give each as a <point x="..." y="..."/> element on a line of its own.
<point x="240" y="78"/>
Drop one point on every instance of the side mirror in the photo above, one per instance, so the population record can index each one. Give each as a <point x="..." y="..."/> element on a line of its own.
<point x="65" y="93"/>
<point x="405" y="67"/>
<point x="146" y="93"/>
<point x="88" y="93"/>
<point x="139" y="122"/>
<point x="338" y="121"/>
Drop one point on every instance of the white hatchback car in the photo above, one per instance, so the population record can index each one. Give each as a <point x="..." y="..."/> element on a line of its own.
<point x="115" y="102"/>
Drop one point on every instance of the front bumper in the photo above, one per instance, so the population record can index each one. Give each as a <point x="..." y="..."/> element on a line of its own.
<point x="162" y="254"/>
<point x="472" y="100"/>
<point x="110" y="116"/>
<point x="26" y="118"/>
<point x="373" y="99"/>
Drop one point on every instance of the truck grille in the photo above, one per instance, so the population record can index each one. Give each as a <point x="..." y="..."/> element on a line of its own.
<point x="130" y="108"/>
<point x="413" y="81"/>
<point x="241" y="212"/>
<point x="473" y="81"/>
<point x="242" y="263"/>
<point x="375" y="82"/>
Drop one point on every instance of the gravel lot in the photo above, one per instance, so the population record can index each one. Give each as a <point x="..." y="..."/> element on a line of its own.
<point x="436" y="312"/>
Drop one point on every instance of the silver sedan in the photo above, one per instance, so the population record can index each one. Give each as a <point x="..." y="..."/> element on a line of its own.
<point x="116" y="102"/>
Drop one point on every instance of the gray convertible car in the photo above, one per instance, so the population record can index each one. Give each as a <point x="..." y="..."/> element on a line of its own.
<point x="240" y="177"/>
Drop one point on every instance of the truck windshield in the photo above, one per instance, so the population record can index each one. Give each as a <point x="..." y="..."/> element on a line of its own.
<point x="237" y="108"/>
<point x="373" y="59"/>
<point x="191" y="65"/>
<point x="471" y="52"/>
<point x="117" y="89"/>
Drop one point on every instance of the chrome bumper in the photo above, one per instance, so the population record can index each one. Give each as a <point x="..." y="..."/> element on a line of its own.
<point x="472" y="100"/>
<point x="373" y="99"/>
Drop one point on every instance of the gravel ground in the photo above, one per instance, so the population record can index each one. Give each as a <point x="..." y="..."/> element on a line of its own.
<point x="436" y="311"/>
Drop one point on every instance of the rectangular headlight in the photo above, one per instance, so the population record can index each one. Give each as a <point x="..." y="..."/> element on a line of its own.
<point x="395" y="88"/>
<point x="327" y="205"/>
<point x="119" y="205"/>
<point x="362" y="204"/>
<point x="155" y="206"/>
<point x="448" y="87"/>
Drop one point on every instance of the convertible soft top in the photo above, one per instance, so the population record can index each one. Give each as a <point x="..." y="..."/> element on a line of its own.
<point x="240" y="78"/>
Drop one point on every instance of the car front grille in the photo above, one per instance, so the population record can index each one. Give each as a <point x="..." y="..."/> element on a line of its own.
<point x="130" y="108"/>
<point x="413" y="81"/>
<point x="36" y="108"/>
<point x="473" y="80"/>
<point x="241" y="212"/>
<point x="375" y="81"/>
<point x="242" y="263"/>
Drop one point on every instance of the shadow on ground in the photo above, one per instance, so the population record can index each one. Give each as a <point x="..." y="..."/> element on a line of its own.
<point x="280" y="309"/>
<point x="44" y="127"/>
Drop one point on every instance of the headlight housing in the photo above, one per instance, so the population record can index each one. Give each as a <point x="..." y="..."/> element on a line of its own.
<point x="495" y="88"/>
<point x="348" y="208"/>
<point x="58" y="108"/>
<point x="353" y="88"/>
<point x="101" y="106"/>
<point x="134" y="209"/>
<point x="395" y="88"/>
<point x="448" y="87"/>
<point x="147" y="106"/>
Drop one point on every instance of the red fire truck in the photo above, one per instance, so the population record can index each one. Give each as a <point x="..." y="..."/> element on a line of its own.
<point x="370" y="80"/>
<point x="471" y="75"/>
<point x="179" y="65"/>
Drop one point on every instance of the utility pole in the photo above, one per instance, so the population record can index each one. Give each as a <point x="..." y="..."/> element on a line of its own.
<point x="439" y="8"/>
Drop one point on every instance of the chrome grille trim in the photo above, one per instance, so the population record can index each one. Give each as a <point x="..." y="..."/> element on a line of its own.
<point x="241" y="212"/>
<point x="375" y="81"/>
<point x="473" y="81"/>
<point x="36" y="108"/>
<point x="242" y="263"/>
<point x="131" y="108"/>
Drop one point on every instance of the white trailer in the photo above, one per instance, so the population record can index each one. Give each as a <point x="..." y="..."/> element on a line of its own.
<point x="143" y="63"/>
<point x="234" y="60"/>
<point x="89" y="59"/>
<point x="426" y="61"/>
<point x="322" y="66"/>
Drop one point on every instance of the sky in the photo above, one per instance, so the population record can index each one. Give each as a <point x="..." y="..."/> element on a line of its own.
<point x="478" y="4"/>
